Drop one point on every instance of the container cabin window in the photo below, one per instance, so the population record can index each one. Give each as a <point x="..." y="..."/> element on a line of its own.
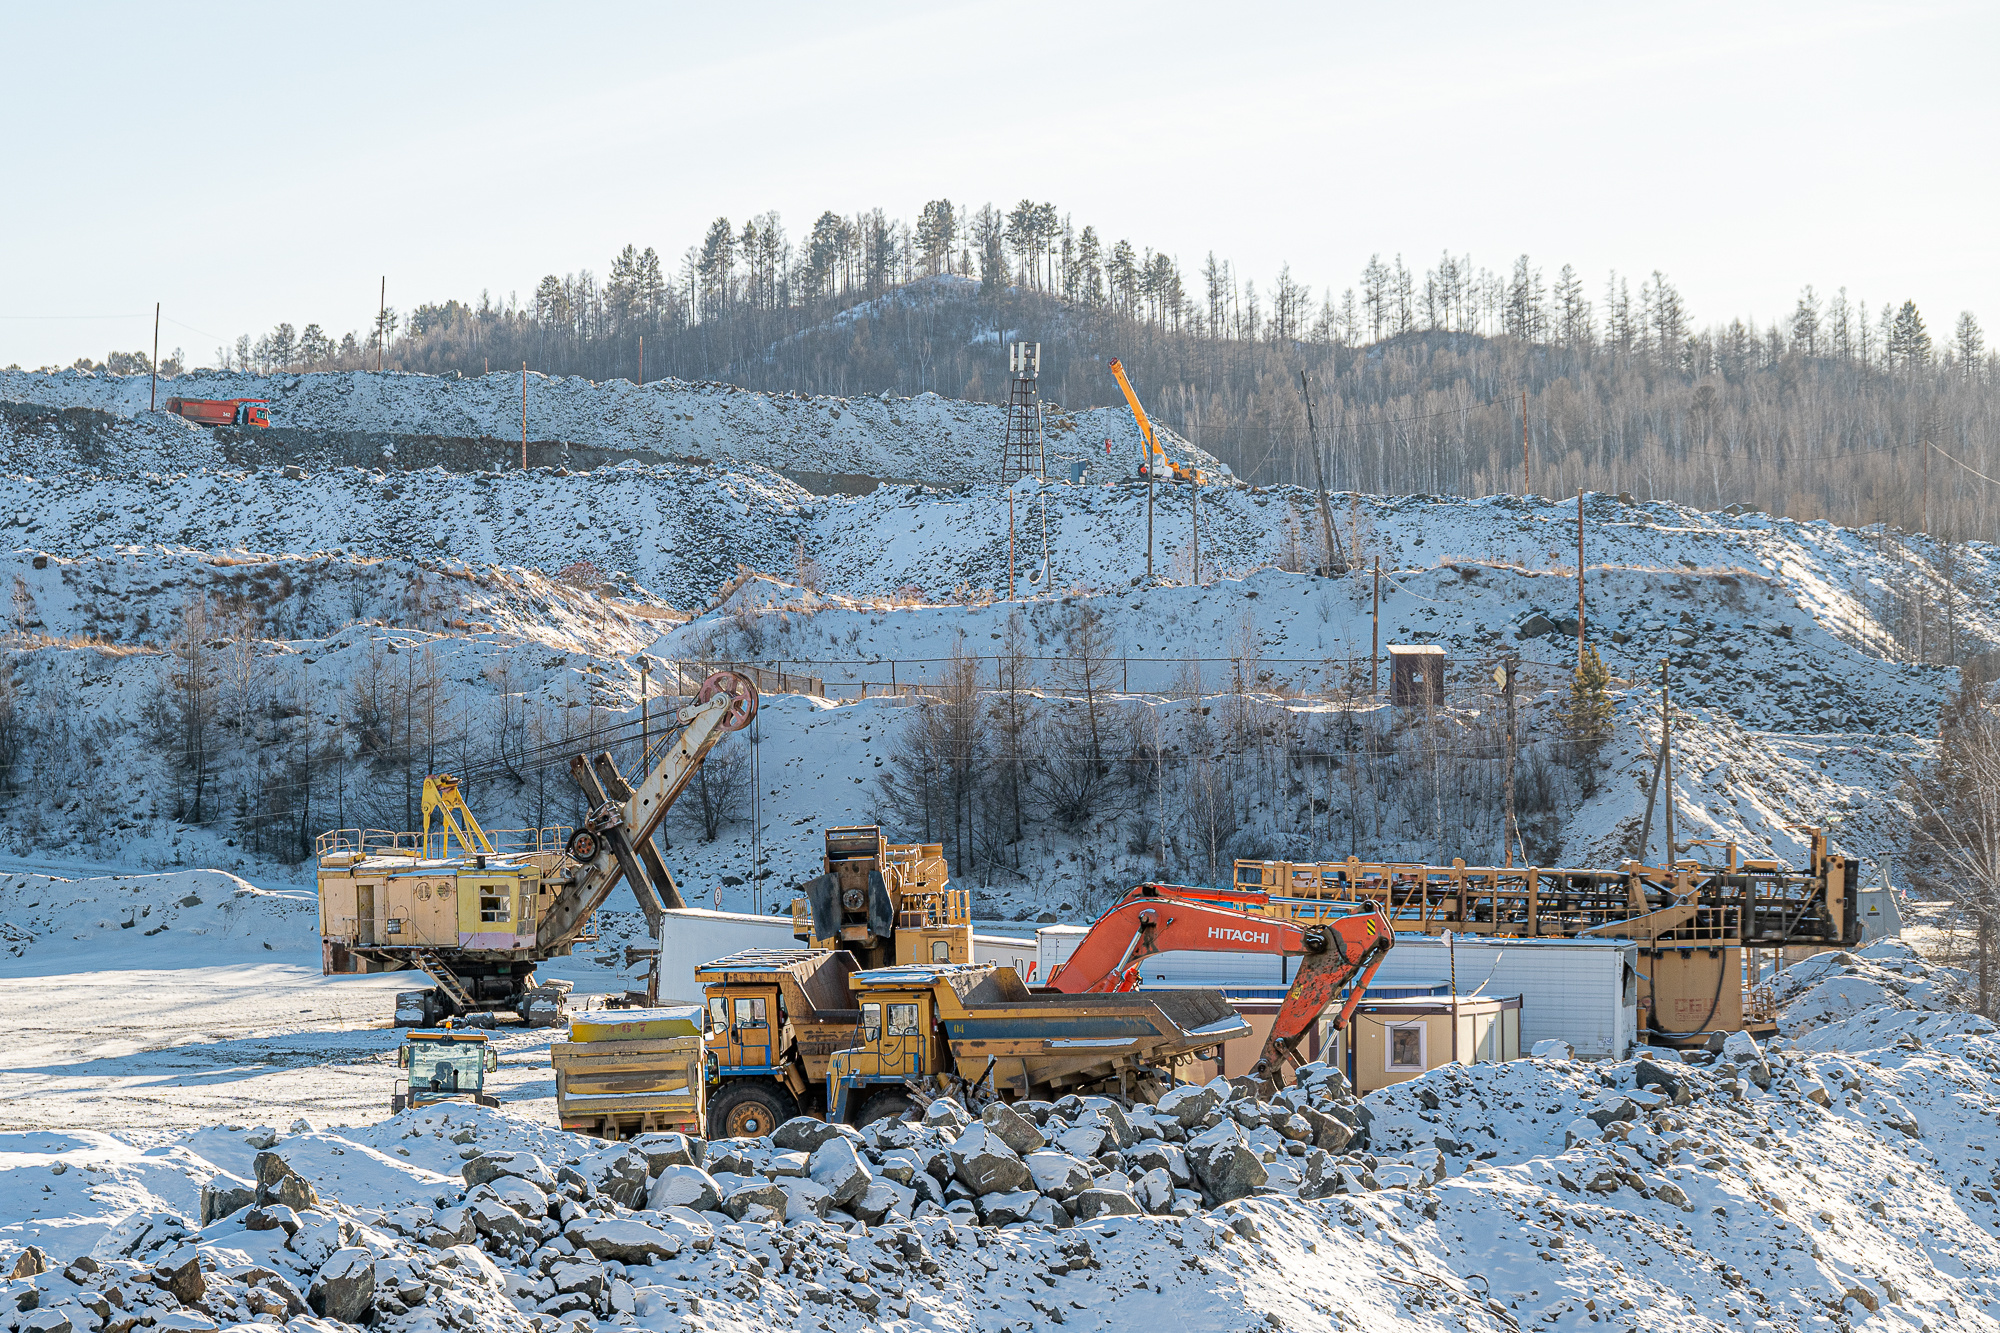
<point x="718" y="1013"/>
<point x="871" y="1023"/>
<point x="493" y="904"/>
<point x="1403" y="1047"/>
<point x="902" y="1020"/>
<point x="940" y="951"/>
<point x="750" y="1012"/>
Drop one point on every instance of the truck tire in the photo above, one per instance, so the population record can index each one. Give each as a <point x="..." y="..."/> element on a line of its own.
<point x="884" y="1106"/>
<point x="747" y="1108"/>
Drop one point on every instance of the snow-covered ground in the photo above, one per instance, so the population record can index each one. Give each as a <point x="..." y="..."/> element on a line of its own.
<point x="1843" y="1177"/>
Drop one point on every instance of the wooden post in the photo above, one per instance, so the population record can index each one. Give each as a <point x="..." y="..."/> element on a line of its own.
<point x="1375" y="637"/>
<point x="1526" y="485"/>
<point x="1579" y="580"/>
<point x="1010" y="547"/>
<point x="642" y="360"/>
<point x="524" y="416"/>
<point x="153" y="397"/>
<point x="1667" y="758"/>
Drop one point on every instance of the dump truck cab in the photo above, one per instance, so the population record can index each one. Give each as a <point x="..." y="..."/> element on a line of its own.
<point x="897" y="1037"/>
<point x="444" y="1064"/>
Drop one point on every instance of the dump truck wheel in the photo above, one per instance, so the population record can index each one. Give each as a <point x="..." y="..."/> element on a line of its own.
<point x="884" y="1106"/>
<point x="749" y="1108"/>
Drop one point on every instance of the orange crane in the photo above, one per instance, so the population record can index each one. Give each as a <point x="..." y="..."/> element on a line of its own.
<point x="1162" y="918"/>
<point x="1156" y="457"/>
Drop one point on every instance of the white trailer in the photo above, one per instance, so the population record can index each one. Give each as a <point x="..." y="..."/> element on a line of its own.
<point x="692" y="936"/>
<point x="1585" y="992"/>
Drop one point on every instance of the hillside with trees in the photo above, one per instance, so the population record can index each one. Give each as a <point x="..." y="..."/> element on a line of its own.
<point x="1847" y="409"/>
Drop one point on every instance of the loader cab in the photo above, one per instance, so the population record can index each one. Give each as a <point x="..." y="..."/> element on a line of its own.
<point x="444" y="1064"/>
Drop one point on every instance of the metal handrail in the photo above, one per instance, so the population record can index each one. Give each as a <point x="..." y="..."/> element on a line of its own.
<point x="389" y="842"/>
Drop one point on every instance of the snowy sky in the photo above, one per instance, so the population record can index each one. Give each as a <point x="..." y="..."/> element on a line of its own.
<point x="246" y="165"/>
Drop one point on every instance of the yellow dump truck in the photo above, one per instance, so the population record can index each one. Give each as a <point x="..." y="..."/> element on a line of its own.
<point x="800" y="1031"/>
<point x="632" y="1071"/>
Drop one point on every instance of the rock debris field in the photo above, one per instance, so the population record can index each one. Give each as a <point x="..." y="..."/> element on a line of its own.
<point x="1838" y="1177"/>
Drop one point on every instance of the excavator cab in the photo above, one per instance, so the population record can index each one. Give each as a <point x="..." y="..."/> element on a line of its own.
<point x="444" y="1064"/>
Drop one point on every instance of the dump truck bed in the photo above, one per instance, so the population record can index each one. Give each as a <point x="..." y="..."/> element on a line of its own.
<point x="1042" y="1043"/>
<point x="631" y="1072"/>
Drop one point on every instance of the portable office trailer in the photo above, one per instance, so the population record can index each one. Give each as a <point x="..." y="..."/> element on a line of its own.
<point x="1393" y="1041"/>
<point x="1585" y="992"/>
<point x="1020" y="952"/>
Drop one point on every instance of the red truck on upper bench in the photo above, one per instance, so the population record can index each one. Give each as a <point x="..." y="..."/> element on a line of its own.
<point x="222" y="411"/>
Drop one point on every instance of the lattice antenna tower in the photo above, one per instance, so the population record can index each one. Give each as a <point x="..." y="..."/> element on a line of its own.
<point x="1023" y="454"/>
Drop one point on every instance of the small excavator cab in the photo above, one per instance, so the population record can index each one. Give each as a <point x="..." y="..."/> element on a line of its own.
<point x="444" y="1064"/>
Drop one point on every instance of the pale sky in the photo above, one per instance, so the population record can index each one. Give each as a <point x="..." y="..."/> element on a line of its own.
<point x="247" y="165"/>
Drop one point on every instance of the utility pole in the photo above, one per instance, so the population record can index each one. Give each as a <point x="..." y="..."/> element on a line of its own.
<point x="1511" y="832"/>
<point x="1330" y="539"/>
<point x="1579" y="580"/>
<point x="1194" y="490"/>
<point x="645" y="720"/>
<point x="153" y="398"/>
<point x="1010" y="546"/>
<point x="524" y="416"/>
<point x="1375" y="636"/>
<point x="1149" y="520"/>
<point x="1667" y="756"/>
<point x="1526" y="485"/>
<point x="382" y="325"/>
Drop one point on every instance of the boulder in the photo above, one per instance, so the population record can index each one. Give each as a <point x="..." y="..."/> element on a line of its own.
<point x="999" y="1210"/>
<point x="1161" y="1156"/>
<point x="449" y="1227"/>
<point x="1647" y="1074"/>
<point x="683" y="1185"/>
<point x="49" y="1319"/>
<point x="1014" y="1129"/>
<point x="1092" y="1204"/>
<point x="1553" y="1048"/>
<point x="1224" y="1164"/>
<point x="1623" y="1109"/>
<point x="1083" y="1140"/>
<point x="741" y="1201"/>
<point x="838" y="1166"/>
<point x="31" y="1262"/>
<point x="344" y="1287"/>
<point x="947" y="1113"/>
<point x="1057" y="1174"/>
<point x="802" y="1133"/>
<point x="183" y="1280"/>
<point x="984" y="1164"/>
<point x="1048" y="1213"/>
<point x="585" y="1278"/>
<point x="620" y="1174"/>
<point x="491" y="1166"/>
<point x="272" y="1217"/>
<point x="1116" y="1123"/>
<point x="1329" y="1132"/>
<point x="222" y="1198"/>
<point x="876" y="1202"/>
<point x="625" y="1239"/>
<point x="494" y="1219"/>
<point x="804" y="1198"/>
<point x="1188" y="1103"/>
<point x="1155" y="1191"/>
<point x="664" y="1150"/>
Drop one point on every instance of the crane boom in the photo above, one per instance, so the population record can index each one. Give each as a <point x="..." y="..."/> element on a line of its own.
<point x="1162" y="918"/>
<point x="616" y="841"/>
<point x="1156" y="457"/>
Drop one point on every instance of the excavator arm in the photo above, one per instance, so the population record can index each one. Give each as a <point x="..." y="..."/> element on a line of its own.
<point x="1154" y="919"/>
<point x="616" y="841"/>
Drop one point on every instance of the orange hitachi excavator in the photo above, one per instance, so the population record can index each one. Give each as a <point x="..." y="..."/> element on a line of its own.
<point x="1161" y="918"/>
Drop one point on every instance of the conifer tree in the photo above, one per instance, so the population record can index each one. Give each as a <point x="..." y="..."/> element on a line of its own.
<point x="1586" y="715"/>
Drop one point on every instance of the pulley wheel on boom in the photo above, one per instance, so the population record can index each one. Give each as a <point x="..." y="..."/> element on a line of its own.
<point x="743" y="694"/>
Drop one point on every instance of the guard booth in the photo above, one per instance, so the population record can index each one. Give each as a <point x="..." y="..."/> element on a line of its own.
<point x="1416" y="674"/>
<point x="1395" y="1040"/>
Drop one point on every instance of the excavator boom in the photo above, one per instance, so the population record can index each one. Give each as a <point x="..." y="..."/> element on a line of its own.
<point x="1162" y="918"/>
<point x="616" y="841"/>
